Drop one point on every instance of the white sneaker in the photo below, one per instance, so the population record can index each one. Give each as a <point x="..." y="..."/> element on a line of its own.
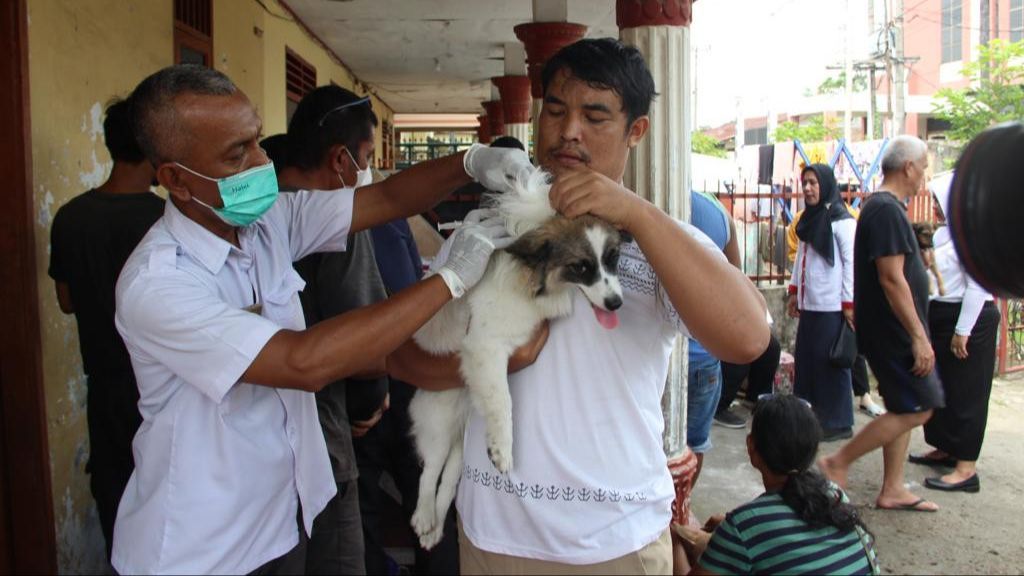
<point x="871" y="409"/>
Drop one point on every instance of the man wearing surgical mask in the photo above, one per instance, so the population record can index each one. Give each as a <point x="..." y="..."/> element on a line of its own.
<point x="330" y="147"/>
<point x="231" y="463"/>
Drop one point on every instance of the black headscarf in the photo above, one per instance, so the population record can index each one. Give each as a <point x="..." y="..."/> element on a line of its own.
<point x="815" y="226"/>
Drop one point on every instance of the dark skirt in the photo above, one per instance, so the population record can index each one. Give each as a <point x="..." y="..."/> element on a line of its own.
<point x="959" y="428"/>
<point x="827" y="388"/>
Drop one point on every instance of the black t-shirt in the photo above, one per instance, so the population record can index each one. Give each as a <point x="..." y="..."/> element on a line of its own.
<point x="91" y="238"/>
<point x="884" y="230"/>
<point x="338" y="282"/>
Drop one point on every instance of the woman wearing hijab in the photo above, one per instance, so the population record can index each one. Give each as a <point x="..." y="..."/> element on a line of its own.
<point x="963" y="324"/>
<point x="821" y="295"/>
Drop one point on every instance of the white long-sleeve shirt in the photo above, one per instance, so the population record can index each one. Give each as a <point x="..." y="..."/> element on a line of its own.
<point x="818" y="286"/>
<point x="959" y="286"/>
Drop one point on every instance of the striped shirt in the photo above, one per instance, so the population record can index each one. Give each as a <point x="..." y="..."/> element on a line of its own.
<point x="765" y="536"/>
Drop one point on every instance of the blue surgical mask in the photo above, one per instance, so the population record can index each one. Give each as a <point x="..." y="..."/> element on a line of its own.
<point x="246" y="196"/>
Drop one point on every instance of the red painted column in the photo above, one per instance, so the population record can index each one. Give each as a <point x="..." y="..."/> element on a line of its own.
<point x="636" y="13"/>
<point x="495" y="117"/>
<point x="515" y="103"/>
<point x="542" y="40"/>
<point x="483" y="131"/>
<point x="658" y="170"/>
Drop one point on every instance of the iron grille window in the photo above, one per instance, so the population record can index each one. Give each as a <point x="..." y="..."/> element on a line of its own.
<point x="952" y="22"/>
<point x="300" y="79"/>
<point x="193" y="32"/>
<point x="1016" y="20"/>
<point x="194" y="14"/>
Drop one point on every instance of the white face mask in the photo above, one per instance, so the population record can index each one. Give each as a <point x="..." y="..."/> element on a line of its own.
<point x="364" y="177"/>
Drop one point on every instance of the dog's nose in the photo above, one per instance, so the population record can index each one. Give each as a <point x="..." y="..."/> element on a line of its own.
<point x="613" y="302"/>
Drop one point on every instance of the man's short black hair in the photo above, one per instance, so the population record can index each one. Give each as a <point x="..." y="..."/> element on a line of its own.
<point x="276" y="147"/>
<point x="607" y="64"/>
<point x="154" y="116"/>
<point x="507" y="142"/>
<point x="118" y="134"/>
<point x="322" y="120"/>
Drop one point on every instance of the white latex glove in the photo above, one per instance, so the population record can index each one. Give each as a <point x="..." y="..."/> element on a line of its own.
<point x="482" y="232"/>
<point x="497" y="168"/>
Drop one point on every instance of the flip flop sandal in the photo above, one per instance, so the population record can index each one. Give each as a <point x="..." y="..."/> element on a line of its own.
<point x="873" y="410"/>
<point x="912" y="507"/>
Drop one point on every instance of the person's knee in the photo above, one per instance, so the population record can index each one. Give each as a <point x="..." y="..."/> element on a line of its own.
<point x="923" y="417"/>
<point x="914" y="419"/>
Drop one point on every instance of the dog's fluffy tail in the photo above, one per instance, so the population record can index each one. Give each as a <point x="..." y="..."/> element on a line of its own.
<point x="527" y="206"/>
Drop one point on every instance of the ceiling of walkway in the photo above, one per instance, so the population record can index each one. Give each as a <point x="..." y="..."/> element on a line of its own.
<point x="425" y="56"/>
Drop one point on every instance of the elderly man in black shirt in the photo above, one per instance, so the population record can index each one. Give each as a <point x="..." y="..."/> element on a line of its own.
<point x="890" y="307"/>
<point x="91" y="237"/>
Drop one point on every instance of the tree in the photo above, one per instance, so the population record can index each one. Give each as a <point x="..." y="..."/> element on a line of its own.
<point x="993" y="98"/>
<point x="701" y="143"/>
<point x="837" y="84"/>
<point x="817" y="129"/>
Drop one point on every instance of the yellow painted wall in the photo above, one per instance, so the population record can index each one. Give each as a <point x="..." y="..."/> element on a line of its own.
<point x="82" y="52"/>
<point x="274" y="30"/>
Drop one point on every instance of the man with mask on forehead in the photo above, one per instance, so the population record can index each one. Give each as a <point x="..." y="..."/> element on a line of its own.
<point x="230" y="452"/>
<point x="329" y="146"/>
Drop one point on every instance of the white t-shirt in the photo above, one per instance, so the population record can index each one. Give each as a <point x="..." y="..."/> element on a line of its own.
<point x="590" y="481"/>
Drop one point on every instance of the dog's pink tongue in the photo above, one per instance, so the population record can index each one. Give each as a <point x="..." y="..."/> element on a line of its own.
<point x="610" y="320"/>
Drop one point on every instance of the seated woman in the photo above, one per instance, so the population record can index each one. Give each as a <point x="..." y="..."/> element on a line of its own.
<point x="801" y="524"/>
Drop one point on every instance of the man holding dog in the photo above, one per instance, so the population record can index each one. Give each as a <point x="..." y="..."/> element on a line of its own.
<point x="230" y="452"/>
<point x="590" y="491"/>
<point x="890" y="307"/>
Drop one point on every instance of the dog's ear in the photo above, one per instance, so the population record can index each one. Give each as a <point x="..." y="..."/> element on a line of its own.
<point x="531" y="249"/>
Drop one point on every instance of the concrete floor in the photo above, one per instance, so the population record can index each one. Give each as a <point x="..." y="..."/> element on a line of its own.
<point x="972" y="534"/>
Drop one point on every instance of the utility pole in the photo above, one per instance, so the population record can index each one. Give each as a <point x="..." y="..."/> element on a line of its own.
<point x="870" y="132"/>
<point x="899" y="79"/>
<point x="983" y="35"/>
<point x="848" y="72"/>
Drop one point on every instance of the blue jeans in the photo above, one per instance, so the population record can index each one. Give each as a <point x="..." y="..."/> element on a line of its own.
<point x="704" y="386"/>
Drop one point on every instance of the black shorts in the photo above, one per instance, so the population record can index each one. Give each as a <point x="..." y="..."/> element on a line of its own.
<point x="903" y="392"/>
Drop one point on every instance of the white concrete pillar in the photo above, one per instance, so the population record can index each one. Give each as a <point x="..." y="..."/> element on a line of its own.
<point x="514" y="89"/>
<point x="659" y="170"/>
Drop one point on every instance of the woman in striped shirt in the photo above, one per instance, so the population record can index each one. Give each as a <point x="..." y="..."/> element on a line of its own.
<point x="801" y="524"/>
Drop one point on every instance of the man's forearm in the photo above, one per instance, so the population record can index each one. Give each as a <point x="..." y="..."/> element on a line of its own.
<point x="721" y="308"/>
<point x="347" y="344"/>
<point x="414" y="365"/>
<point x="425" y="184"/>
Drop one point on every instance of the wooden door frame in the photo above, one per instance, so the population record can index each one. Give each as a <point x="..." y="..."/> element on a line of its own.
<point x="27" y="536"/>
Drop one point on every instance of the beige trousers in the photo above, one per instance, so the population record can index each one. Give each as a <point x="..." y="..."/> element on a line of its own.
<point x="655" y="558"/>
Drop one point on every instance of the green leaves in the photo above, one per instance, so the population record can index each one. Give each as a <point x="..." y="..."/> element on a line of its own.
<point x="817" y="129"/>
<point x="992" y="98"/>
<point x="701" y="143"/>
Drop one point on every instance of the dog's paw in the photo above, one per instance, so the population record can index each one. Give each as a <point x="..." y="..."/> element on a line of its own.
<point x="423" y="522"/>
<point x="431" y="538"/>
<point x="500" y="453"/>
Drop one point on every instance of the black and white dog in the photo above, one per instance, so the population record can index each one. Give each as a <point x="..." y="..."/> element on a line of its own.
<point x="528" y="282"/>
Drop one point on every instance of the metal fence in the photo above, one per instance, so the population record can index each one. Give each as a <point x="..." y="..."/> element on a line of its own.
<point x="1010" y="352"/>
<point x="762" y="213"/>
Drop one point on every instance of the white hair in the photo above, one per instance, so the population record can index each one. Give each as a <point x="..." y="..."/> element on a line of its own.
<point x="902" y="149"/>
<point x="526" y="206"/>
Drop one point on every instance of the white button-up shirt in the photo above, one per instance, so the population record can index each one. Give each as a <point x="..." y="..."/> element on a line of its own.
<point x="818" y="286"/>
<point x="220" y="465"/>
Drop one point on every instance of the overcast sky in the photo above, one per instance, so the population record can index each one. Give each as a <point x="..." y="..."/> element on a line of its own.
<point x="768" y="51"/>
